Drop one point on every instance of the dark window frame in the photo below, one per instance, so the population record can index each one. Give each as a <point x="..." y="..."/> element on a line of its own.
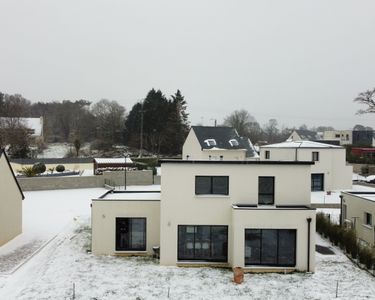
<point x="179" y="258"/>
<point x="211" y="192"/>
<point x="129" y="248"/>
<point x="314" y="187"/>
<point x="260" y="194"/>
<point x="368" y="219"/>
<point x="315" y="156"/>
<point x="267" y="154"/>
<point x="293" y="264"/>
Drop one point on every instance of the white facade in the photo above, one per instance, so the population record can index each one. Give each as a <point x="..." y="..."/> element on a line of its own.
<point x="239" y="210"/>
<point x="10" y="202"/>
<point x="358" y="212"/>
<point x="329" y="161"/>
<point x="345" y="137"/>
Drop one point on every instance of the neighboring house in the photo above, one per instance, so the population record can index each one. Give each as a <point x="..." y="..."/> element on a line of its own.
<point x="217" y="143"/>
<point x="220" y="213"/>
<point x="358" y="212"/>
<point x="303" y="135"/>
<point x="329" y="172"/>
<point x="360" y="138"/>
<point x="10" y="202"/>
<point x="364" y="152"/>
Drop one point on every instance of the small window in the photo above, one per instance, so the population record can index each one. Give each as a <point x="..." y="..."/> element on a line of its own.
<point x="266" y="190"/>
<point x="337" y="135"/>
<point x="211" y="185"/>
<point x="368" y="219"/>
<point x="315" y="156"/>
<point x="130" y="234"/>
<point x="210" y="142"/>
<point x="233" y="143"/>
<point x="268" y="155"/>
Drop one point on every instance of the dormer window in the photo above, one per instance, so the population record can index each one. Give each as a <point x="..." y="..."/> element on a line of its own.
<point x="233" y="143"/>
<point x="210" y="142"/>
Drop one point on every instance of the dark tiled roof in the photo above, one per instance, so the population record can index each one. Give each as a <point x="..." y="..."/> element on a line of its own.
<point x="222" y="136"/>
<point x="307" y="135"/>
<point x="11" y="170"/>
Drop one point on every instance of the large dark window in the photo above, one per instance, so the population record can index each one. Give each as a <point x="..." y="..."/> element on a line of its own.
<point x="270" y="247"/>
<point x="217" y="185"/>
<point x="317" y="182"/>
<point x="130" y="234"/>
<point x="266" y="190"/>
<point x="203" y="242"/>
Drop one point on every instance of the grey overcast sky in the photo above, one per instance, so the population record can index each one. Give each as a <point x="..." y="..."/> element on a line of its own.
<point x="296" y="61"/>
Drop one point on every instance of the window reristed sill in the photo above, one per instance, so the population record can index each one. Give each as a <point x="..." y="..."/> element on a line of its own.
<point x="131" y="252"/>
<point x="367" y="226"/>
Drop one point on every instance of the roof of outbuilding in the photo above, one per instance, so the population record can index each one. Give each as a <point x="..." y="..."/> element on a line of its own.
<point x="2" y="152"/>
<point x="222" y="136"/>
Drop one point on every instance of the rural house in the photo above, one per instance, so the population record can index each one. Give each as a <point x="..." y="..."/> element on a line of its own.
<point x="217" y="143"/>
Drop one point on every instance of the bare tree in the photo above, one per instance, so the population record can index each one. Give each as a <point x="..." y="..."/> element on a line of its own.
<point x="367" y="98"/>
<point x="241" y="120"/>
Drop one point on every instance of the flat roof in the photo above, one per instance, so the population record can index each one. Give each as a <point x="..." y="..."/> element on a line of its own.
<point x="236" y="162"/>
<point x="270" y="207"/>
<point x="364" y="195"/>
<point x="130" y="196"/>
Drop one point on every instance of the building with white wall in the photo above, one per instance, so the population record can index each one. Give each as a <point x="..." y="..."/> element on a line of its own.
<point x="221" y="213"/>
<point x="329" y="171"/>
<point x="358" y="212"/>
<point x="11" y="197"/>
<point x="217" y="143"/>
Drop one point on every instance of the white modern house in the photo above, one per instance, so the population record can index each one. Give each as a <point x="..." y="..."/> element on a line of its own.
<point x="217" y="143"/>
<point x="329" y="171"/>
<point x="11" y="197"/>
<point x="220" y="213"/>
<point x="358" y="212"/>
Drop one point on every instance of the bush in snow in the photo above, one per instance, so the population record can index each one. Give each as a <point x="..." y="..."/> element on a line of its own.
<point x="60" y="168"/>
<point x="39" y="168"/>
<point x="27" y="171"/>
<point x="366" y="256"/>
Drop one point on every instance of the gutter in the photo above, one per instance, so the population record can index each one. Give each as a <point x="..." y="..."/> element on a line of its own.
<point x="308" y="243"/>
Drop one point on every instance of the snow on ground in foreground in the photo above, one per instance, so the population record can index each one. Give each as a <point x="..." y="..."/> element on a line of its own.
<point x="51" y="274"/>
<point x="45" y="214"/>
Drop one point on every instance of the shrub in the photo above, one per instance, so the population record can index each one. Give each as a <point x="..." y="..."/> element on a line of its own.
<point x="366" y="256"/>
<point x="27" y="171"/>
<point x="60" y="168"/>
<point x="39" y="168"/>
<point x="350" y="240"/>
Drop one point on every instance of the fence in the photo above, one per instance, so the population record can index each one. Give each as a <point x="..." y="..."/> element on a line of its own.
<point x="144" y="177"/>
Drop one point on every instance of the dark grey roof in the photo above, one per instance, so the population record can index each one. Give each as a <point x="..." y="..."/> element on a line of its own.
<point x="307" y="135"/>
<point x="11" y="170"/>
<point x="222" y="135"/>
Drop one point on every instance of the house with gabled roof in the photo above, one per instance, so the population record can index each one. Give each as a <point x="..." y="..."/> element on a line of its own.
<point x="303" y="135"/>
<point x="217" y="143"/>
<point x="11" y="197"/>
<point x="329" y="171"/>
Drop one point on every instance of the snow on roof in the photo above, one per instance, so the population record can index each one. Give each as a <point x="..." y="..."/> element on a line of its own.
<point x="132" y="196"/>
<point x="119" y="160"/>
<point x="301" y="144"/>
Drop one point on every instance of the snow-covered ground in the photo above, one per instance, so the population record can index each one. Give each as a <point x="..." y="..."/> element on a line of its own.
<point x="334" y="198"/>
<point x="59" y="150"/>
<point x="51" y="273"/>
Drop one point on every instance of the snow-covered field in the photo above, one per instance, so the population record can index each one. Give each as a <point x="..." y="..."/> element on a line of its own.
<point x="64" y="261"/>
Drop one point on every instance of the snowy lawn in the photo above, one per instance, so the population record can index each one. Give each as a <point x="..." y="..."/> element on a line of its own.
<point x="51" y="273"/>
